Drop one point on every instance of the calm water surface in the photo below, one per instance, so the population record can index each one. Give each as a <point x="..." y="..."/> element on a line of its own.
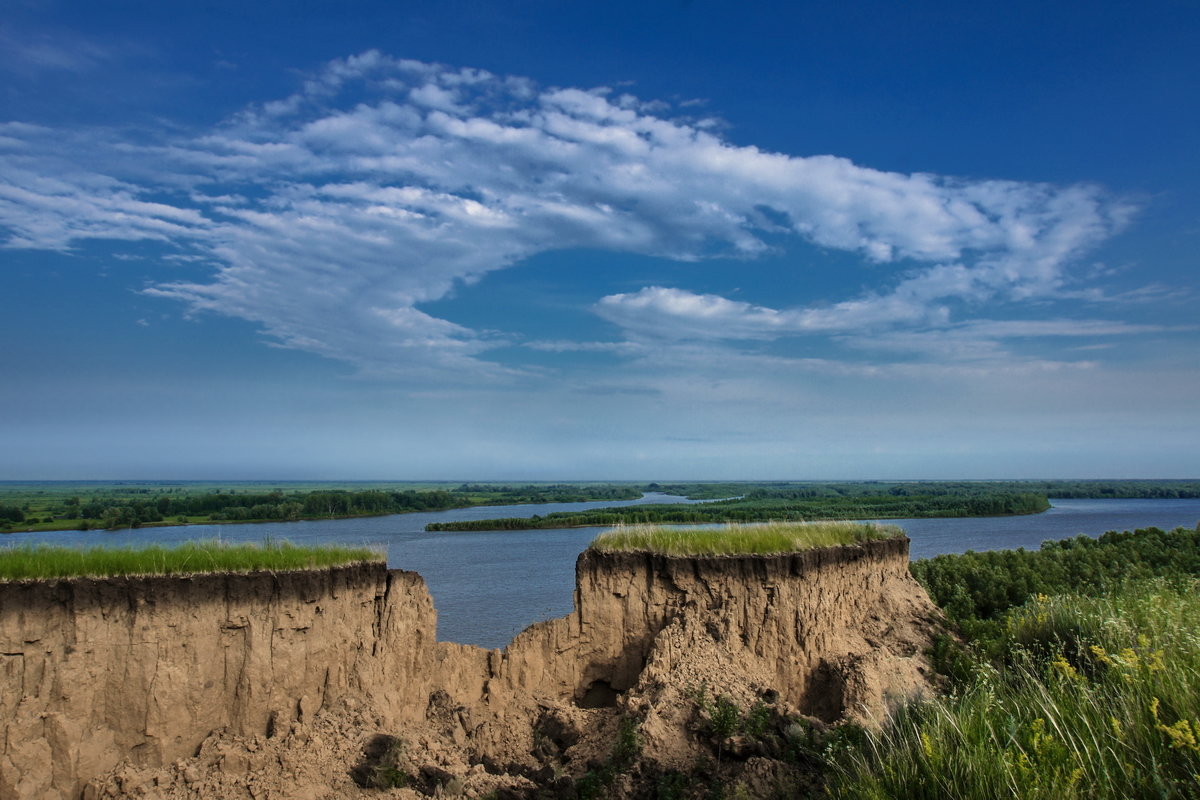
<point x="487" y="586"/>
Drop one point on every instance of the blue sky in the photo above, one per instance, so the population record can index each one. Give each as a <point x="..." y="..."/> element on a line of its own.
<point x="544" y="240"/>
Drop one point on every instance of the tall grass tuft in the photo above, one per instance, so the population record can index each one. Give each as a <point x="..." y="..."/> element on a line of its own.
<point x="739" y="539"/>
<point x="34" y="562"/>
<point x="1099" y="698"/>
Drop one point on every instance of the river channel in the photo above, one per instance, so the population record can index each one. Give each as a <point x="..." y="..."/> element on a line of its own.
<point x="488" y="586"/>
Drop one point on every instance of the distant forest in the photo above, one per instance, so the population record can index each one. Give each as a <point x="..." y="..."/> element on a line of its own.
<point x="1126" y="489"/>
<point x="111" y="508"/>
<point x="83" y="504"/>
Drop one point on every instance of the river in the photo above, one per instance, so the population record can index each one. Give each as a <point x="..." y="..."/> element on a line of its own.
<point x="488" y="586"/>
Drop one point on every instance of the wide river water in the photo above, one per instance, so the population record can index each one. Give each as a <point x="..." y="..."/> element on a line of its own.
<point x="488" y="586"/>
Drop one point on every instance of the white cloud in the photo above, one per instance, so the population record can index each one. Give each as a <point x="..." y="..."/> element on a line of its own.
<point x="679" y="314"/>
<point x="331" y="218"/>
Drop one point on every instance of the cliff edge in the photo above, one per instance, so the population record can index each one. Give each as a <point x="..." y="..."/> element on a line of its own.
<point x="330" y="683"/>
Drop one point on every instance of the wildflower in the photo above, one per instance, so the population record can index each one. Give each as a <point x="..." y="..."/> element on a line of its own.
<point x="1129" y="658"/>
<point x="1184" y="734"/>
<point x="1037" y="735"/>
<point x="1064" y="668"/>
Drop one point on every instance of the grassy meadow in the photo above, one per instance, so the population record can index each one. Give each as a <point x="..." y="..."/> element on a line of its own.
<point x="46" y="562"/>
<point x="1077" y="678"/>
<point x="737" y="539"/>
<point x="1098" y="697"/>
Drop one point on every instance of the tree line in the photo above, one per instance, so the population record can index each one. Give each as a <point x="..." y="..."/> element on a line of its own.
<point x="1099" y="488"/>
<point x="135" y="508"/>
<point x="106" y="513"/>
<point x="975" y="586"/>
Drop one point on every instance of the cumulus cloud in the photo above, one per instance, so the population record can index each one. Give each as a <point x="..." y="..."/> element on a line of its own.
<point x="384" y="183"/>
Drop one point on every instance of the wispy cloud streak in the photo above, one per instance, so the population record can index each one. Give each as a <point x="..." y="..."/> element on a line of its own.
<point x="384" y="183"/>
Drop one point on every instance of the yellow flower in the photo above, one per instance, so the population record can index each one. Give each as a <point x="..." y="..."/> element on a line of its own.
<point x="1130" y="658"/>
<point x="1183" y="734"/>
<point x="1065" y="669"/>
<point x="1038" y="737"/>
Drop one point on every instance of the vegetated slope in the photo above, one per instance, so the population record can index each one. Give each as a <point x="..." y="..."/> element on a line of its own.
<point x="1089" y="689"/>
<point x="973" y="588"/>
<point x="765" y="507"/>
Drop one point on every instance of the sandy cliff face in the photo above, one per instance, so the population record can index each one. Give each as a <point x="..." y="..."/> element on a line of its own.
<point x="800" y="618"/>
<point x="270" y="685"/>
<point x="142" y="669"/>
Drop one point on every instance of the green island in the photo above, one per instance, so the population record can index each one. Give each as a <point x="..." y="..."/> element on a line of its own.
<point x="45" y="562"/>
<point x="84" y="505"/>
<point x="799" y="501"/>
<point x="782" y="505"/>
<point x="765" y="538"/>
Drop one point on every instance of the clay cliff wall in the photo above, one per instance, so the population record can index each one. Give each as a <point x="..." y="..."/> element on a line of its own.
<point x="142" y="670"/>
<point x="798" y="617"/>
<point x="93" y="672"/>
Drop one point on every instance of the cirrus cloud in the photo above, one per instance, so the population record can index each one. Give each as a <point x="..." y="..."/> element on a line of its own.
<point x="383" y="183"/>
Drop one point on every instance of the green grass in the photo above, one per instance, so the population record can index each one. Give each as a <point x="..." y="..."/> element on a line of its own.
<point x="737" y="539"/>
<point x="43" y="562"/>
<point x="1099" y="698"/>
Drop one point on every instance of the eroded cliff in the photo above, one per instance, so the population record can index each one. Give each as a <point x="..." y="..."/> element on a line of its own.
<point x="294" y="684"/>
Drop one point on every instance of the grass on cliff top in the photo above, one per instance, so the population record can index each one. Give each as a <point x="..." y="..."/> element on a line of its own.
<point x="738" y="539"/>
<point x="33" y="562"/>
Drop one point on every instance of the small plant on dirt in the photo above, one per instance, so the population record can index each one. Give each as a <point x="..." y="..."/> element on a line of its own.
<point x="757" y="720"/>
<point x="626" y="749"/>
<point x="726" y="719"/>
<point x="672" y="786"/>
<point x="381" y="765"/>
<point x="628" y="745"/>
